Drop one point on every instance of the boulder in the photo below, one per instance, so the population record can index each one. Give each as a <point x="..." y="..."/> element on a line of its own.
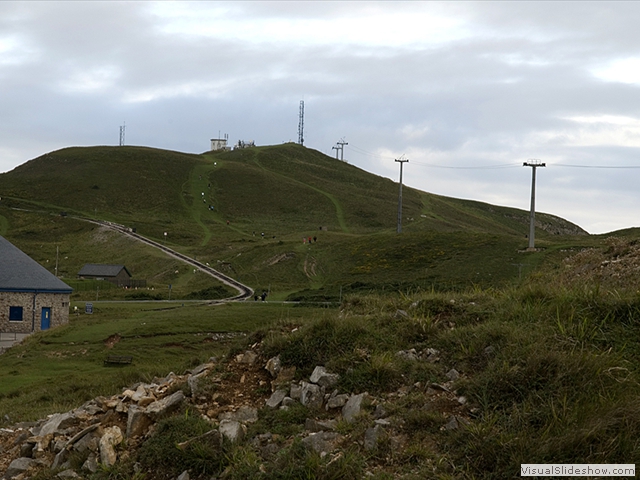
<point x="295" y="392"/>
<point x="57" y="421"/>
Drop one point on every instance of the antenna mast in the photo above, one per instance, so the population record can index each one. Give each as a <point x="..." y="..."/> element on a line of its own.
<point x="122" y="133"/>
<point x="301" y="124"/>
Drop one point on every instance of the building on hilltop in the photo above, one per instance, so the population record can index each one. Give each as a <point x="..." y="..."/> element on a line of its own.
<point x="31" y="297"/>
<point x="117" y="274"/>
<point x="220" y="143"/>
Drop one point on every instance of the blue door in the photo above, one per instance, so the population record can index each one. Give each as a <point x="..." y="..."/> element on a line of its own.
<point x="45" y="319"/>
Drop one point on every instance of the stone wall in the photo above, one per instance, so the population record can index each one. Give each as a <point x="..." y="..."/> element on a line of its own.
<point x="58" y="302"/>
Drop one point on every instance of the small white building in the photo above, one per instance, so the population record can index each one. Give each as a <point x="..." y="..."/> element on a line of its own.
<point x="219" y="144"/>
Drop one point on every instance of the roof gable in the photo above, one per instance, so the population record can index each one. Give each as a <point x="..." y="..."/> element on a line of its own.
<point x="21" y="273"/>
<point x="101" y="270"/>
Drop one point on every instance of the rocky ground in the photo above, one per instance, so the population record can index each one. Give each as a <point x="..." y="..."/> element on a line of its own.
<point x="229" y="394"/>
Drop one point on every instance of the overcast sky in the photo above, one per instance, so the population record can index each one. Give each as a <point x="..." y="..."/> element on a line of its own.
<point x="449" y="85"/>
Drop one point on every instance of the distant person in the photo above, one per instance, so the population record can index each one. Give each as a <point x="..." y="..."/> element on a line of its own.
<point x="263" y="296"/>
<point x="315" y="239"/>
<point x="309" y="239"/>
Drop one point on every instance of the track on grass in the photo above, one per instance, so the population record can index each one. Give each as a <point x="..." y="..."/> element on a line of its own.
<point x="244" y="292"/>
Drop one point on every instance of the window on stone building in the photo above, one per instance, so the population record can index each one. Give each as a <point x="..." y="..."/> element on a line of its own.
<point x="15" y="314"/>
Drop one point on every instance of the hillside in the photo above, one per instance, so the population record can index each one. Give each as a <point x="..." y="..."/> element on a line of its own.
<point x="216" y="206"/>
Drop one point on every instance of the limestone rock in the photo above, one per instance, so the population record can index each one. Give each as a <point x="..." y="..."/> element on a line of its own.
<point x="338" y="401"/>
<point x="353" y="407"/>
<point x="321" y="441"/>
<point x="409" y="355"/>
<point x="276" y="398"/>
<point x="273" y="366"/>
<point x="247" y="357"/>
<point x="453" y="375"/>
<point x="137" y="422"/>
<point x="112" y="436"/>
<point x="18" y="466"/>
<point x="295" y="392"/>
<point x="321" y="377"/>
<point x="372" y="436"/>
<point x="91" y="464"/>
<point x="245" y="414"/>
<point x="183" y="476"/>
<point x="69" y="473"/>
<point x="160" y="408"/>
<point x="232" y="430"/>
<point x="311" y="395"/>
<point x="195" y="383"/>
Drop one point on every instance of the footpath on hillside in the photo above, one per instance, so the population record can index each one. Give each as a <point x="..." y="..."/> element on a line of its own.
<point x="244" y="291"/>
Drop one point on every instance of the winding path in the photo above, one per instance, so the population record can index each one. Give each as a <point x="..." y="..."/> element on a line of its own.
<point x="244" y="292"/>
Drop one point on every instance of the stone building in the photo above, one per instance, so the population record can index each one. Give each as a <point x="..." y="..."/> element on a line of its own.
<point x="31" y="297"/>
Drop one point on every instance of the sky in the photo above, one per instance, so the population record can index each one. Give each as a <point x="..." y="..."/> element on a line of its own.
<point x="466" y="91"/>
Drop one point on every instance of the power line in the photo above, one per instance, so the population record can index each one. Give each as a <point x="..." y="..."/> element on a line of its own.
<point x="593" y="166"/>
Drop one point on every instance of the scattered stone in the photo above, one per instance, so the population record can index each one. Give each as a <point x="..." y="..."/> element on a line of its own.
<point x="311" y="395"/>
<point x="160" y="408"/>
<point x="379" y="412"/>
<point x="276" y="398"/>
<point x="288" y="401"/>
<point x="91" y="464"/>
<point x="452" y="424"/>
<point x="20" y="465"/>
<point x="183" y="476"/>
<point x="138" y="422"/>
<point x="337" y="401"/>
<point x="372" y="436"/>
<point x="245" y="414"/>
<point x="408" y="355"/>
<point x="58" y="421"/>
<point x="274" y="366"/>
<point x="286" y="375"/>
<point x="59" y="459"/>
<point x="314" y="425"/>
<point x="401" y="313"/>
<point x="321" y="377"/>
<point x="462" y="400"/>
<point x="489" y="351"/>
<point x="431" y="355"/>
<point x="112" y="436"/>
<point x="295" y="392"/>
<point x="232" y="430"/>
<point x="353" y="407"/>
<point x="249" y="357"/>
<point x="195" y="383"/>
<point x="69" y="473"/>
<point x="453" y="375"/>
<point x="321" y="441"/>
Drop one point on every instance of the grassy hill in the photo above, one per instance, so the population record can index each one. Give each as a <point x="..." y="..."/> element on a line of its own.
<point x="216" y="207"/>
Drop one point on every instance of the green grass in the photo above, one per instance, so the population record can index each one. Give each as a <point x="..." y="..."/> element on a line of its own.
<point x="288" y="193"/>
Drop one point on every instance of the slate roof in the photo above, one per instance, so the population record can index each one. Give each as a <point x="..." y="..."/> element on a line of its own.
<point x="101" y="270"/>
<point x="21" y="273"/>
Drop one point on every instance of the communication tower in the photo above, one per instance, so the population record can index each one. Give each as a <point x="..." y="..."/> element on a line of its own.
<point x="122" y="127"/>
<point x="301" y="124"/>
